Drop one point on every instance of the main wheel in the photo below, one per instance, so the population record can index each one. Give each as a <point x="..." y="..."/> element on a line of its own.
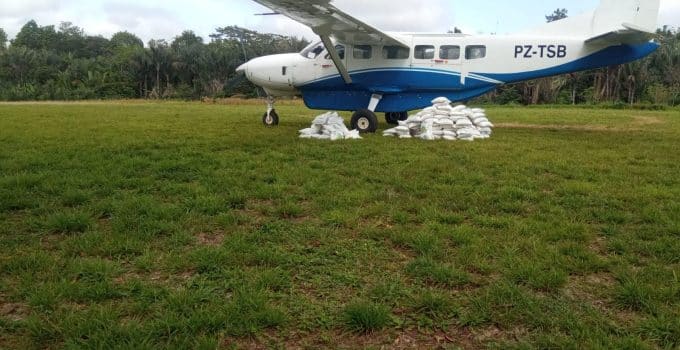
<point x="271" y="119"/>
<point x="365" y="121"/>
<point x="392" y="118"/>
<point x="395" y="117"/>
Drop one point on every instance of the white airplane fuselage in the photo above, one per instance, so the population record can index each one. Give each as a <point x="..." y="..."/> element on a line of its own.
<point x="456" y="66"/>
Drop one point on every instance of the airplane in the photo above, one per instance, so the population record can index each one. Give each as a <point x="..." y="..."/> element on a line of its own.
<point x="356" y="67"/>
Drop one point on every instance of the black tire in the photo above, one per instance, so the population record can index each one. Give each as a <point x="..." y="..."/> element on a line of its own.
<point x="392" y="118"/>
<point x="395" y="117"/>
<point x="270" y="120"/>
<point x="365" y="121"/>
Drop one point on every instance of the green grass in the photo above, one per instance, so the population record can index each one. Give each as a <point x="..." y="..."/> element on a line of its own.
<point x="365" y="317"/>
<point x="187" y="225"/>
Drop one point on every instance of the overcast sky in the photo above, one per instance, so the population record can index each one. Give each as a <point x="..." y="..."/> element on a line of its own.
<point x="165" y="19"/>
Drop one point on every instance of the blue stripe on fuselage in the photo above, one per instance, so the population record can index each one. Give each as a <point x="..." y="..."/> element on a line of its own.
<point x="397" y="79"/>
<point x="613" y="55"/>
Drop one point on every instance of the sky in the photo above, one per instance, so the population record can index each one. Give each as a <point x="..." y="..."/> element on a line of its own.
<point x="165" y="19"/>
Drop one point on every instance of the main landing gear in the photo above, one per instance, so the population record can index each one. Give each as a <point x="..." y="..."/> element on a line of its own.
<point x="395" y="117"/>
<point x="365" y="120"/>
<point x="271" y="118"/>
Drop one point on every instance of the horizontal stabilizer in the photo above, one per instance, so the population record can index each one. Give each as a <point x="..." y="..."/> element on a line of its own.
<point x="630" y="34"/>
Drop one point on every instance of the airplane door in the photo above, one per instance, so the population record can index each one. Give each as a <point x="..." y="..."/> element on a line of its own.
<point x="449" y="57"/>
<point x="438" y="55"/>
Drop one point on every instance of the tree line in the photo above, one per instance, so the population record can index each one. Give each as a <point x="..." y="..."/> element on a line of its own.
<point x="63" y="63"/>
<point x="48" y="63"/>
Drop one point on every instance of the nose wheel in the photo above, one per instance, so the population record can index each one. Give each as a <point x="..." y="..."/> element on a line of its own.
<point x="271" y="118"/>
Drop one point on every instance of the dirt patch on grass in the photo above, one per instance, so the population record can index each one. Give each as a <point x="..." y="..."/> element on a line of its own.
<point x="386" y="339"/>
<point x="599" y="246"/>
<point x="556" y="127"/>
<point x="592" y="289"/>
<point x="13" y="311"/>
<point x="645" y="121"/>
<point x="211" y="239"/>
<point x="635" y="125"/>
<point x="159" y="277"/>
<point x="586" y="288"/>
<point x="398" y="339"/>
<point x="235" y="101"/>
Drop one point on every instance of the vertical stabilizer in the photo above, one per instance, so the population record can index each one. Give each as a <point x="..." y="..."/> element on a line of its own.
<point x="614" y="15"/>
<point x="610" y="16"/>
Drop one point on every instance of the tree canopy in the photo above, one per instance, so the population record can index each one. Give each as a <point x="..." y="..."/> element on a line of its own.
<point x="3" y="40"/>
<point x="557" y="15"/>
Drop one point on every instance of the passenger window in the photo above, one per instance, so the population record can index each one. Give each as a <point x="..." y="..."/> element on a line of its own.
<point x="396" y="53"/>
<point x="363" y="52"/>
<point x="449" y="52"/>
<point x="475" y="52"/>
<point x="424" y="52"/>
<point x="341" y="52"/>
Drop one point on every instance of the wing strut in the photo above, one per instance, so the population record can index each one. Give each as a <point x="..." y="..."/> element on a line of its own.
<point x="336" y="58"/>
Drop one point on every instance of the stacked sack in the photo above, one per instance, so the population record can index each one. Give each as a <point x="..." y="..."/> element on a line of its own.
<point x="443" y="122"/>
<point x="329" y="126"/>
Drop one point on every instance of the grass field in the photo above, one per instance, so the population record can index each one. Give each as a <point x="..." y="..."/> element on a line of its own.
<point x="187" y="225"/>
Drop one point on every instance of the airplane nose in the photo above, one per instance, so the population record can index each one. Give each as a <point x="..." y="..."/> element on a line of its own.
<point x="242" y="68"/>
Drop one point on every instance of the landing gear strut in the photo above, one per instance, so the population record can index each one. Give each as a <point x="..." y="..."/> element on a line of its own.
<point x="271" y="118"/>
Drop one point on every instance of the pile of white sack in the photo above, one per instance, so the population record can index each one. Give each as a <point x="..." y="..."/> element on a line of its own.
<point x="444" y="122"/>
<point x="329" y="126"/>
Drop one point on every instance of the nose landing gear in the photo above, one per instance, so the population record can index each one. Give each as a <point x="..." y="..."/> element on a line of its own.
<point x="271" y="118"/>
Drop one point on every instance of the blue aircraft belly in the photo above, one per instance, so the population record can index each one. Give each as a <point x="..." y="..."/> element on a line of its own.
<point x="403" y="89"/>
<point x="351" y="100"/>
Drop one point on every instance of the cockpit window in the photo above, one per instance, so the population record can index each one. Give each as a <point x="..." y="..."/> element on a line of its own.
<point x="313" y="51"/>
<point x="341" y="52"/>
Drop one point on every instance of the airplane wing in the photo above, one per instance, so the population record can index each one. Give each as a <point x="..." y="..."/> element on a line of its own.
<point x="328" y="21"/>
<point x="629" y="34"/>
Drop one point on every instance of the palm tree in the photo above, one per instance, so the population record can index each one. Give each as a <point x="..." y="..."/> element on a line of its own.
<point x="161" y="59"/>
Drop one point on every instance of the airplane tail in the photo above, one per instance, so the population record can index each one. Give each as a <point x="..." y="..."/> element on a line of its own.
<point x="611" y="16"/>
